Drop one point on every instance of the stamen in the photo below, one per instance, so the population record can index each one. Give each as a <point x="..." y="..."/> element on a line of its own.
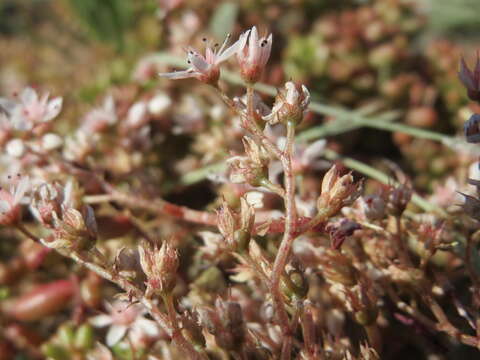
<point x="224" y="44"/>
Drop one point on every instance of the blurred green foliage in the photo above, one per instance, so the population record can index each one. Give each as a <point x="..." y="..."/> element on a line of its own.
<point x="107" y="20"/>
<point x="454" y="17"/>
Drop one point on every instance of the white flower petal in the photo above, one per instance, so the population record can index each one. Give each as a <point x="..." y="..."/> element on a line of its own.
<point x="136" y="114"/>
<point x="109" y="104"/>
<point x="100" y="320"/>
<point x="198" y="62"/>
<point x="313" y="151"/>
<point x="115" y="334"/>
<point x="234" y="48"/>
<point x="28" y="95"/>
<point x="54" y="107"/>
<point x="149" y="327"/>
<point x="4" y="206"/>
<point x="253" y="45"/>
<point x="22" y="188"/>
<point x="7" y="105"/>
<point x="176" y="75"/>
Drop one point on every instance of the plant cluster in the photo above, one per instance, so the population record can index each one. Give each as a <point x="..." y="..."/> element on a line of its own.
<point x="286" y="254"/>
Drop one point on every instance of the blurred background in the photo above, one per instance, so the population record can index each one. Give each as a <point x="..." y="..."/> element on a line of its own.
<point x="367" y="56"/>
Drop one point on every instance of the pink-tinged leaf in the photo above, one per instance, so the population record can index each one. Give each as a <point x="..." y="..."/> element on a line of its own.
<point x="44" y="300"/>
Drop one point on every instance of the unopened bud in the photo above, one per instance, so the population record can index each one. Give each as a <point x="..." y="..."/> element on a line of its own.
<point x="471" y="78"/>
<point x="295" y="284"/>
<point x="398" y="199"/>
<point x="373" y="207"/>
<point x="340" y="230"/>
<point x="472" y="129"/>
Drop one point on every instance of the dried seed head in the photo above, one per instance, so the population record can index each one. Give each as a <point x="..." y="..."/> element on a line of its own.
<point x="337" y="191"/>
<point x="251" y="168"/>
<point x="76" y="230"/>
<point x="160" y="266"/>
<point x="236" y="228"/>
<point x="290" y="104"/>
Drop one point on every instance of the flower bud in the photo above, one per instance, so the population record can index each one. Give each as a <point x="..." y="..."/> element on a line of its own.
<point x="295" y="284"/>
<point x="373" y="207"/>
<point x="290" y="105"/>
<point x="472" y="129"/>
<point x="160" y="266"/>
<point x="398" y="199"/>
<point x="340" y="230"/>
<point x="471" y="78"/>
<point x="471" y="206"/>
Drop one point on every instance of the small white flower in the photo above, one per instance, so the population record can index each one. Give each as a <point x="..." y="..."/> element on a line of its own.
<point x="123" y="318"/>
<point x="100" y="118"/>
<point x="206" y="68"/>
<point x="11" y="200"/>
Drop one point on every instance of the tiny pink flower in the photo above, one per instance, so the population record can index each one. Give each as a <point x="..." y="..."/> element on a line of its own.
<point x="206" y="68"/>
<point x="254" y="57"/>
<point x="123" y="318"/>
<point x="30" y="110"/>
<point x="100" y="118"/>
<point x="10" y="201"/>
